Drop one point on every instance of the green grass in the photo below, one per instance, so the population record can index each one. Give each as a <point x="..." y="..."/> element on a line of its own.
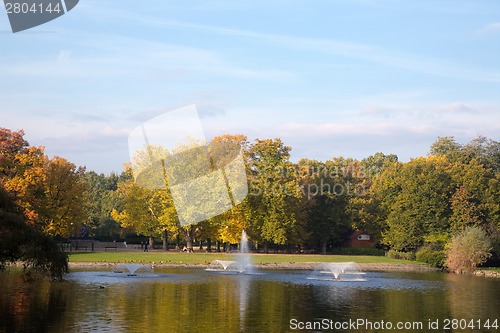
<point x="495" y="269"/>
<point x="291" y="258"/>
<point x="206" y="258"/>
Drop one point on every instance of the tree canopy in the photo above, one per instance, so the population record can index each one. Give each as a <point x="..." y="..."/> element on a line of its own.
<point x="41" y="198"/>
<point x="306" y="205"/>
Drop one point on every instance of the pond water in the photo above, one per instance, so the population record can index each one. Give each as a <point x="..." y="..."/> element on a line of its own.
<point x="196" y="300"/>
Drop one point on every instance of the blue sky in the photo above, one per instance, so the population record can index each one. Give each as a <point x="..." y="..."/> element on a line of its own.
<point x="331" y="78"/>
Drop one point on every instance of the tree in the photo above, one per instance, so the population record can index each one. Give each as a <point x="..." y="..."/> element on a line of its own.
<point x="149" y="212"/>
<point x="227" y="227"/>
<point x="468" y="249"/>
<point x="275" y="193"/>
<point x="22" y="171"/>
<point x="465" y="210"/>
<point x="11" y="144"/>
<point x="148" y="204"/>
<point x="327" y="189"/>
<point x="375" y="164"/>
<point x="414" y="198"/>
<point x="327" y="219"/>
<point x="50" y="192"/>
<point x="102" y="199"/>
<point x="446" y="146"/>
<point x="21" y="241"/>
<point x="64" y="199"/>
<point x="487" y="151"/>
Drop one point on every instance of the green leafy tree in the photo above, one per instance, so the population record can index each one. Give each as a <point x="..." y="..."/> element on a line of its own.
<point x="274" y="193"/>
<point x="327" y="189"/>
<point x="465" y="210"/>
<point x="102" y="199"/>
<point x="414" y="198"/>
<point x="446" y="146"/>
<point x="485" y="150"/>
<point x="148" y="212"/>
<point x="375" y="164"/>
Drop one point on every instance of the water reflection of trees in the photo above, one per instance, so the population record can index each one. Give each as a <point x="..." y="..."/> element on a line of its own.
<point x="473" y="297"/>
<point x="38" y="306"/>
<point x="233" y="303"/>
<point x="394" y="298"/>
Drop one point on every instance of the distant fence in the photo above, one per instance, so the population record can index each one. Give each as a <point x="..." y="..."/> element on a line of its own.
<point x="80" y="245"/>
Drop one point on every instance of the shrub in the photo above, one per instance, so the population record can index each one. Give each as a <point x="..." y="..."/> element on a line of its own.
<point x="430" y="256"/>
<point x="468" y="249"/>
<point x="401" y="255"/>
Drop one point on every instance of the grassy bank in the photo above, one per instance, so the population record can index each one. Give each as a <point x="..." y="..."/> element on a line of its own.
<point x="493" y="269"/>
<point x="206" y="258"/>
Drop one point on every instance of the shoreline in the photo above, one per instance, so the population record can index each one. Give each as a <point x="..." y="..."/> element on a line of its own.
<point x="291" y="266"/>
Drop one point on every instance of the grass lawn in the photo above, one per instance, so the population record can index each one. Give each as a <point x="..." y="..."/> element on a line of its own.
<point x="206" y="258"/>
<point x="495" y="269"/>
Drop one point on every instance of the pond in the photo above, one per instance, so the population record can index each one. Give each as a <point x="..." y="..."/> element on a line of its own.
<point x="197" y="300"/>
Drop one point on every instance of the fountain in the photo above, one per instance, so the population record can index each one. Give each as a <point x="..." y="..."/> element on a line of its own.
<point x="242" y="264"/>
<point x="344" y="271"/>
<point x="226" y="263"/>
<point x="131" y="268"/>
<point x="243" y="258"/>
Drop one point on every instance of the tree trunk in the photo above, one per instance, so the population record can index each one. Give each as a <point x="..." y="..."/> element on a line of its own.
<point x="188" y="233"/>
<point x="189" y="243"/>
<point x="266" y="249"/>
<point x="218" y="246"/>
<point x="323" y="246"/>
<point x="151" y="242"/>
<point x="209" y="245"/>
<point x="164" y="236"/>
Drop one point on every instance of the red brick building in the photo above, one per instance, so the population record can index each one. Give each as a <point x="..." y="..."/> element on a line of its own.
<point x="359" y="238"/>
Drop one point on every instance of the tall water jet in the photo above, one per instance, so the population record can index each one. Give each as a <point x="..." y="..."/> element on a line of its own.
<point x="242" y="262"/>
<point x="243" y="258"/>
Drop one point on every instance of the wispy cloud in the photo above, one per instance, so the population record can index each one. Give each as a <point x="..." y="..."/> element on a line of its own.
<point x="490" y="28"/>
<point x="350" y="49"/>
<point x="115" y="56"/>
<point x="338" y="129"/>
<point x="424" y="110"/>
